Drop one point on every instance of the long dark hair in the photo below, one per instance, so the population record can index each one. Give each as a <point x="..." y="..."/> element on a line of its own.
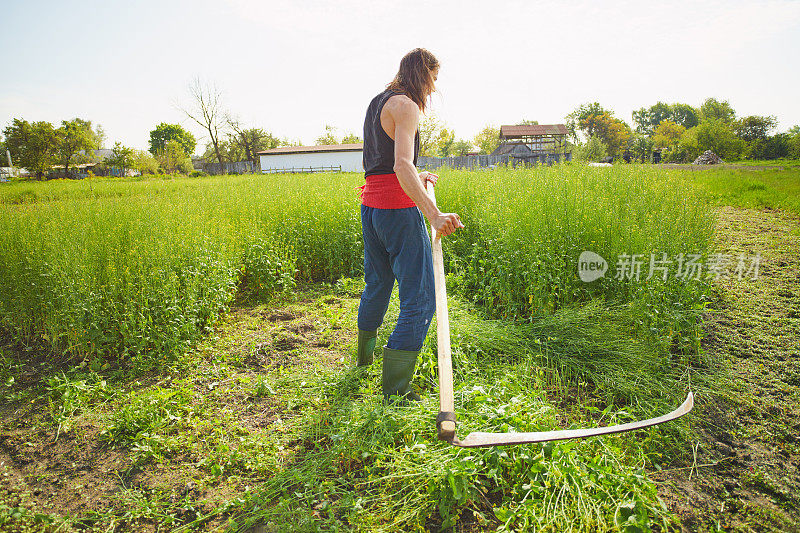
<point x="415" y="76"/>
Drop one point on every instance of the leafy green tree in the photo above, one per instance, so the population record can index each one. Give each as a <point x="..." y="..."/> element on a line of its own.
<point x="641" y="146"/>
<point x="172" y="159"/>
<point x="754" y="127"/>
<point x="719" y="137"/>
<point x="261" y="140"/>
<point x="688" y="147"/>
<point x="98" y="135"/>
<point x="594" y="149"/>
<point x="75" y="136"/>
<point x="245" y="143"/>
<point x="171" y="132"/>
<point x="613" y="132"/>
<point x="667" y="135"/>
<point x="526" y="122"/>
<point x="144" y="162"/>
<point x="581" y="113"/>
<point x="648" y="119"/>
<point x="794" y="146"/>
<point x="774" y="147"/>
<point x="462" y="147"/>
<point x="444" y="142"/>
<point x="713" y="109"/>
<point x="33" y="146"/>
<point x="121" y="158"/>
<point x="329" y="137"/>
<point x="592" y="120"/>
<point x="488" y="139"/>
<point x="794" y="142"/>
<point x="667" y="138"/>
<point x="237" y="147"/>
<point x="229" y="151"/>
<point x="685" y="115"/>
<point x="210" y="154"/>
<point x="429" y="128"/>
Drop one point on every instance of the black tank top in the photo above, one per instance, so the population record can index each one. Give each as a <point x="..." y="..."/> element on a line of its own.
<point x="378" y="146"/>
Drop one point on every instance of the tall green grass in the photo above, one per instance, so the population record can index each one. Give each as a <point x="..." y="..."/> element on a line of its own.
<point x="135" y="270"/>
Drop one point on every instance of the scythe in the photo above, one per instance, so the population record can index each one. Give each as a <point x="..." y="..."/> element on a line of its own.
<point x="446" y="419"/>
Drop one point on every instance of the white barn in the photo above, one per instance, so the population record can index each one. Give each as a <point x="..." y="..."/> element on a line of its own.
<point x="322" y="158"/>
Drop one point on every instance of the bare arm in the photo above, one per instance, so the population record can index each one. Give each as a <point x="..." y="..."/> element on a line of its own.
<point x="406" y="120"/>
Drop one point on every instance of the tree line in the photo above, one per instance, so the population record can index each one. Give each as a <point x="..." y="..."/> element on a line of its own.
<point x="40" y="146"/>
<point x="678" y="131"/>
<point x="48" y="151"/>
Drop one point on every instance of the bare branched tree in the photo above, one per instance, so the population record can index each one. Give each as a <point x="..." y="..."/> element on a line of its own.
<point x="207" y="111"/>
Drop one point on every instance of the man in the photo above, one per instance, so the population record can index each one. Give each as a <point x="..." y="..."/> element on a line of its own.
<point x="396" y="241"/>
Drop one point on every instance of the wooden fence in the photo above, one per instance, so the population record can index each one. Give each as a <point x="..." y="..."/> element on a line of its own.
<point x="238" y="167"/>
<point x="301" y="170"/>
<point x="490" y="161"/>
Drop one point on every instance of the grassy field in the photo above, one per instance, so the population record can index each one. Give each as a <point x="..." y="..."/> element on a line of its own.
<point x="178" y="352"/>
<point x="773" y="189"/>
<point x="784" y="163"/>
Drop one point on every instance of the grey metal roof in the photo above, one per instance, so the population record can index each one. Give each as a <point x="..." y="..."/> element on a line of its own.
<point x="318" y="148"/>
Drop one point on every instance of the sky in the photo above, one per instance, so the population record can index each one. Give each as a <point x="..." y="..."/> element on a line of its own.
<point x="292" y="67"/>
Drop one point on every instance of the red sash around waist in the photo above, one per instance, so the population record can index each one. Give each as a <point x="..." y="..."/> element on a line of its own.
<point x="383" y="191"/>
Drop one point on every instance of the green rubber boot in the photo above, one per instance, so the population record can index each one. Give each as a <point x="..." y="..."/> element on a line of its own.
<point x="366" y="347"/>
<point x="398" y="369"/>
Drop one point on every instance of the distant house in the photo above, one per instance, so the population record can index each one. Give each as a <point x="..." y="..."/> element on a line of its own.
<point x="76" y="171"/>
<point x="96" y="166"/>
<point x="320" y="158"/>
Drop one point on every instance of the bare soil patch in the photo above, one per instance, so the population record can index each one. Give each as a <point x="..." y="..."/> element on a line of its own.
<point x="746" y="476"/>
<point x="79" y="475"/>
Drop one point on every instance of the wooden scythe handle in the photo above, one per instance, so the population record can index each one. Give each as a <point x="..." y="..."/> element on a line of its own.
<point x="446" y="424"/>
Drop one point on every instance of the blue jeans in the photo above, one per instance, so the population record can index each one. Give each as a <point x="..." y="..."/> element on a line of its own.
<point x="397" y="246"/>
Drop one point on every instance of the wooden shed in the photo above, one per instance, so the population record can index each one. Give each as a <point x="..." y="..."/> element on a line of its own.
<point x="539" y="139"/>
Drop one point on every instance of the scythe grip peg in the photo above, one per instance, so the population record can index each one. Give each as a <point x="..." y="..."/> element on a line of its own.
<point x="443" y="416"/>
